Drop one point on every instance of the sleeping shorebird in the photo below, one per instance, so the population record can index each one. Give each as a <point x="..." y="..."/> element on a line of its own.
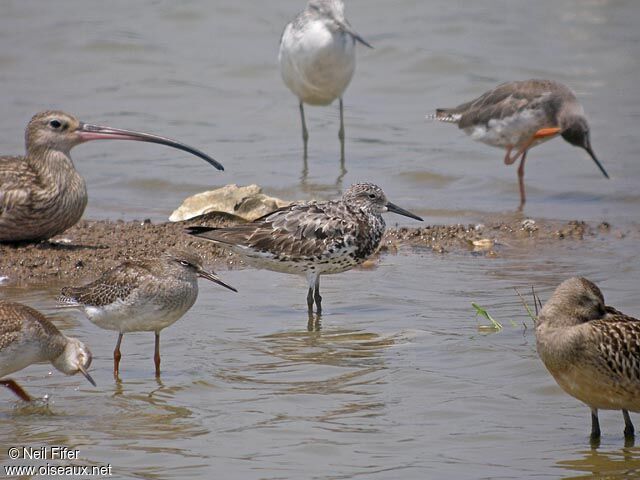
<point x="317" y="57"/>
<point x="312" y="238"/>
<point x="141" y="296"/>
<point x="592" y="350"/>
<point x="41" y="193"/>
<point x="518" y="116"/>
<point x="26" y="337"/>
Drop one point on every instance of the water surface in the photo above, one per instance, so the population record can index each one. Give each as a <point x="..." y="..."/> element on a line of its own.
<point x="399" y="382"/>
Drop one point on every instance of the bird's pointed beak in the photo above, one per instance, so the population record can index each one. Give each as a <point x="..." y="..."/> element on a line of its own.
<point x="401" y="211"/>
<point x="214" y="278"/>
<point x="347" y="28"/>
<point x="87" y="376"/>
<point x="88" y="132"/>
<point x="595" y="159"/>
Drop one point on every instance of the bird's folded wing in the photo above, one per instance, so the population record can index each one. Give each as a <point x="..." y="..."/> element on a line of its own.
<point x="502" y="102"/>
<point x="115" y="284"/>
<point x="17" y="180"/>
<point x="298" y="230"/>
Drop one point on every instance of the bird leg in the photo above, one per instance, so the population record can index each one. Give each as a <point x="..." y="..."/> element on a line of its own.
<point x="17" y="389"/>
<point x="317" y="297"/>
<point x="305" y="132"/>
<point x="629" y="431"/>
<point x="156" y="356"/>
<point x="341" y="131"/>
<point x="523" y="198"/>
<point x="310" y="301"/>
<point x="508" y="159"/>
<point x="595" y="425"/>
<point x="117" y="356"/>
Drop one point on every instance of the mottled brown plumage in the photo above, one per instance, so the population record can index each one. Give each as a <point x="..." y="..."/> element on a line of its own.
<point x="41" y="193"/>
<point x="592" y="350"/>
<point x="26" y="337"/>
<point x="519" y="115"/>
<point x="312" y="238"/>
<point x="142" y="295"/>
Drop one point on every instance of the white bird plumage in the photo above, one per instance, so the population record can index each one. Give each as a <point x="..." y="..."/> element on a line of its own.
<point x="317" y="57"/>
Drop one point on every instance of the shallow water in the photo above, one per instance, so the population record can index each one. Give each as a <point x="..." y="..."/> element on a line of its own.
<point x="399" y="381"/>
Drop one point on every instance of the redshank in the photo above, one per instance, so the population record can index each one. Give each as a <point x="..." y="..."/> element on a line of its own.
<point x="27" y="336"/>
<point x="518" y="116"/>
<point x="141" y="296"/>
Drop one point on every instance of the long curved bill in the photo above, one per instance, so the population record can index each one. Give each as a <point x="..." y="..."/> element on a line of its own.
<point x="401" y="211"/>
<point x="87" y="376"/>
<point x="97" y="132"/>
<point x="593" y="156"/>
<point x="215" y="279"/>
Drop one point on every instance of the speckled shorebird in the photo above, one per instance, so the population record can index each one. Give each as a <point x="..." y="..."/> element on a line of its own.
<point x="518" y="116"/>
<point x="142" y="296"/>
<point x="26" y="337"/>
<point x="312" y="238"/>
<point x="41" y="193"/>
<point x="592" y="350"/>
<point x="317" y="57"/>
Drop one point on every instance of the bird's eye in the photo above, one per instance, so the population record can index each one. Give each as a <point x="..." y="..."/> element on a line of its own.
<point x="184" y="263"/>
<point x="372" y="196"/>
<point x="55" y="124"/>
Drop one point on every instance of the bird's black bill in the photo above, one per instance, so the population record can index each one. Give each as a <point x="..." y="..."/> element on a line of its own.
<point x="347" y="28"/>
<point x="401" y="211"/>
<point x="214" y="278"/>
<point x="87" y="376"/>
<point x="96" y="132"/>
<point x="593" y="156"/>
<point x="361" y="40"/>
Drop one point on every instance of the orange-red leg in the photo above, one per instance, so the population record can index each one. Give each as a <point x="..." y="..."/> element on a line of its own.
<point x="508" y="159"/>
<point x="17" y="389"/>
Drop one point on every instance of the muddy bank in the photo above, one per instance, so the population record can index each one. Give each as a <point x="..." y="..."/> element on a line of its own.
<point x="90" y="247"/>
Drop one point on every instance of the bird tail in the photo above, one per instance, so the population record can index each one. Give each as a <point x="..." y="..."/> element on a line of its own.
<point x="444" y="115"/>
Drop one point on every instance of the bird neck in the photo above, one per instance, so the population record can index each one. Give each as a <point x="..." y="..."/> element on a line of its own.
<point x="55" y="165"/>
<point x="56" y="348"/>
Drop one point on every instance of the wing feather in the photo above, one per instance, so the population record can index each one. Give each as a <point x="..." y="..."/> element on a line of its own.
<point x="114" y="284"/>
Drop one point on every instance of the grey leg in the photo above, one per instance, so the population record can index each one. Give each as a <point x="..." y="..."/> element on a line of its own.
<point x="341" y="131"/>
<point x="629" y="431"/>
<point x="310" y="300"/>
<point x="317" y="296"/>
<point x="341" y="134"/>
<point x="595" y="424"/>
<point x="305" y="132"/>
